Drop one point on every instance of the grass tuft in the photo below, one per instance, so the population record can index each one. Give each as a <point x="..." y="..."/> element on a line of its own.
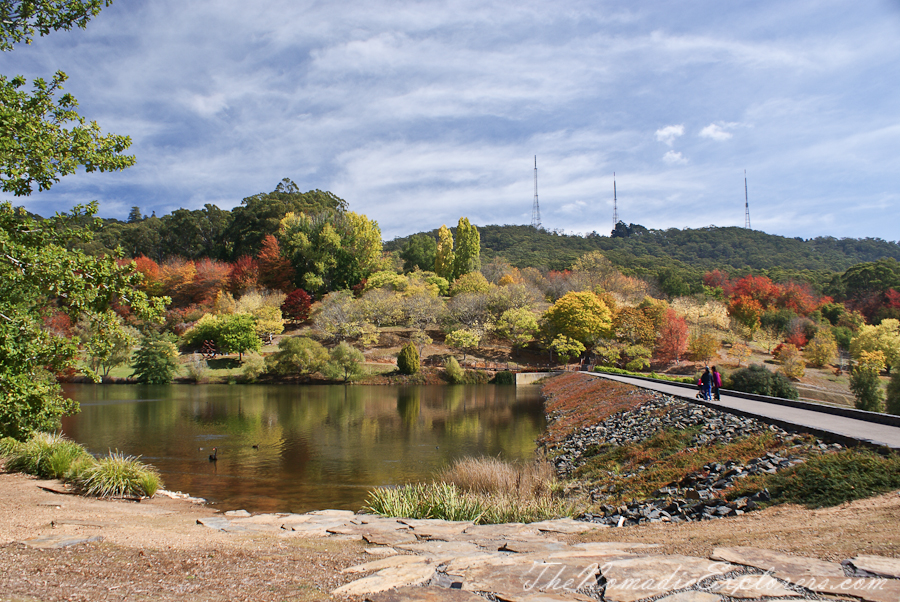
<point x="493" y="476"/>
<point x="118" y="475"/>
<point x="45" y="455"/>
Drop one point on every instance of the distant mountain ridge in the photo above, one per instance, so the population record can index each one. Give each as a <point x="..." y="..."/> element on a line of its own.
<point x="647" y="252"/>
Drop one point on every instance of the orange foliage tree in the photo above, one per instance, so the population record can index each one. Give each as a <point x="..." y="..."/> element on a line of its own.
<point x="673" y="337"/>
<point x="275" y="270"/>
<point x="243" y="275"/>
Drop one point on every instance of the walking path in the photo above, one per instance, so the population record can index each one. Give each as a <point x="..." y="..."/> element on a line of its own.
<point x="802" y="419"/>
<point x="430" y="560"/>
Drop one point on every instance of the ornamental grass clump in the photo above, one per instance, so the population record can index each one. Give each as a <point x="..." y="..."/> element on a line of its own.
<point x="45" y="455"/>
<point x="118" y="475"/>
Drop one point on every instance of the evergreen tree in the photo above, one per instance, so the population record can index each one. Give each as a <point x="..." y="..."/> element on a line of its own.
<point x="467" y="257"/>
<point x="408" y="359"/>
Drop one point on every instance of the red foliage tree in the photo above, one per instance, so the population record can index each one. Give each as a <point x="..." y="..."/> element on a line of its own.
<point x="296" y="305"/>
<point x="758" y="288"/>
<point x="152" y="283"/>
<point x="798" y="297"/>
<point x="211" y="277"/>
<point x="717" y="279"/>
<point x="673" y="337"/>
<point x="275" y="271"/>
<point x="243" y="275"/>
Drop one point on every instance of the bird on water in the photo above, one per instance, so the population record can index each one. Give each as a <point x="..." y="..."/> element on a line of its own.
<point x="214" y="456"/>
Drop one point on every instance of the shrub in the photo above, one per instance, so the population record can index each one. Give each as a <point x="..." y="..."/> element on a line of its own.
<point x="45" y="455"/>
<point x="197" y="368"/>
<point x="346" y="362"/>
<point x="408" y="359"/>
<point x="454" y="372"/>
<point x="472" y="282"/>
<point x="118" y="475"/>
<point x="298" y="355"/>
<point x="760" y="381"/>
<point x="867" y="389"/>
<point x="832" y="479"/>
<point x="156" y="361"/>
<point x="253" y="366"/>
<point x="504" y="377"/>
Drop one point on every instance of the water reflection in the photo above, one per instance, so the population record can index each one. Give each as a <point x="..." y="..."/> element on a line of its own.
<point x="300" y="448"/>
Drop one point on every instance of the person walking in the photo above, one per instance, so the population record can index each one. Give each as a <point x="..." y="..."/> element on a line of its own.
<point x="716" y="382"/>
<point x="706" y="384"/>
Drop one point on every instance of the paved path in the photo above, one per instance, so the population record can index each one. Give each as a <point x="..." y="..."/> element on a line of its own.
<point x="860" y="430"/>
<point x="436" y="560"/>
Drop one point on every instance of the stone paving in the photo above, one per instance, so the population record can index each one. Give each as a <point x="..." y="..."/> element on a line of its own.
<point x="429" y="560"/>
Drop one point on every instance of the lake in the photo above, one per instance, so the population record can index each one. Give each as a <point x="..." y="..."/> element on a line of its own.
<point x="319" y="446"/>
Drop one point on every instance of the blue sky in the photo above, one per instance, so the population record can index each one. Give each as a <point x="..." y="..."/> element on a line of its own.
<point x="418" y="113"/>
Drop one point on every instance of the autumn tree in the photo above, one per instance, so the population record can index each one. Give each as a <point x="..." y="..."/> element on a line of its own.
<point x="444" y="257"/>
<point x="673" y="337"/>
<point x="275" y="270"/>
<point x="518" y="326"/>
<point x="578" y="315"/>
<point x="884" y="337"/>
<point x="296" y="305"/>
<point x="243" y="275"/>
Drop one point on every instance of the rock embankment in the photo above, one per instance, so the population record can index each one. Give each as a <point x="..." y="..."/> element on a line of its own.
<point x="699" y="495"/>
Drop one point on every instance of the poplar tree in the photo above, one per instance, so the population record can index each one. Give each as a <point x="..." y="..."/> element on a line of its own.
<point x="443" y="261"/>
<point x="468" y="249"/>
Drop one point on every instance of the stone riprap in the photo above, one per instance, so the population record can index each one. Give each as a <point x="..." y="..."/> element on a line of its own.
<point x="696" y="496"/>
<point x="446" y="560"/>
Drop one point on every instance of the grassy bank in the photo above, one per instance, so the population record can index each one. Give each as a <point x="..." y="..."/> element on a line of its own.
<point x="53" y="456"/>
<point x="482" y="490"/>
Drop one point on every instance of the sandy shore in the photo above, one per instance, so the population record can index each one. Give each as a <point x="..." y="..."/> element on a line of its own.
<point x="155" y="549"/>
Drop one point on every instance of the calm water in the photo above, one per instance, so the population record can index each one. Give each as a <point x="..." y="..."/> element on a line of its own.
<point x="319" y="446"/>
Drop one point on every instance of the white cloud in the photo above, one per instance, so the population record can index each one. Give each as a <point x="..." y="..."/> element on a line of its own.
<point x="668" y="134"/>
<point x="674" y="158"/>
<point x="714" y="131"/>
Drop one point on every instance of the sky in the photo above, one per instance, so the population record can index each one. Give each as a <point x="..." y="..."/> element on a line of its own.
<point x="418" y="113"/>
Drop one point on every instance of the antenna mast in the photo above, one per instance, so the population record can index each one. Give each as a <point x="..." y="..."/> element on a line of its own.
<point x="615" y="204"/>
<point x="746" y="204"/>
<point x="535" y="208"/>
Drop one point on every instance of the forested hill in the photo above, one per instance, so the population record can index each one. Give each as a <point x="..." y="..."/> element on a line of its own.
<point x="644" y="251"/>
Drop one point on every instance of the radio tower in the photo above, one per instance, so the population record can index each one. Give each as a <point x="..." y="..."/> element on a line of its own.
<point x="746" y="204"/>
<point x="615" y="204"/>
<point x="535" y="208"/>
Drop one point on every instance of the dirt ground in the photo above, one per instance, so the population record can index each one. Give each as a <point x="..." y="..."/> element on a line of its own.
<point x="155" y="550"/>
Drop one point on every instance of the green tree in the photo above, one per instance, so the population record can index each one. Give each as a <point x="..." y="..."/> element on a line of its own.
<point x="106" y="340"/>
<point x="40" y="276"/>
<point x="865" y="384"/>
<point x="346" y="362"/>
<point x="892" y="399"/>
<point x="298" y="355"/>
<point x="330" y="250"/>
<point x="419" y="253"/>
<point x="408" y="359"/>
<point x="237" y="334"/>
<point x="467" y="256"/>
<point x="464" y="339"/>
<point x="156" y="362"/>
<point x="518" y="326"/>
<point x="566" y="348"/>
<point x="443" y="259"/>
<point x="578" y="315"/>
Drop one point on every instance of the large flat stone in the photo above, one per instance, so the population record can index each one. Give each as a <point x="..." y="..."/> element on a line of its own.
<point x="566" y="525"/>
<point x="691" y="596"/>
<point x="631" y="579"/>
<point x="383" y="563"/>
<point x="459" y="565"/>
<point x="442" y="549"/>
<point x="506" y="531"/>
<point x="531" y="547"/>
<point x="872" y="590"/>
<point x="424" y="594"/>
<point x="546" y="597"/>
<point x="57" y="541"/>
<point x="777" y="562"/>
<point x="380" y="551"/>
<point x="412" y="574"/>
<point x="389" y="538"/>
<point x="526" y="578"/>
<point x="753" y="586"/>
<point x="878" y="565"/>
<point x="436" y="529"/>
